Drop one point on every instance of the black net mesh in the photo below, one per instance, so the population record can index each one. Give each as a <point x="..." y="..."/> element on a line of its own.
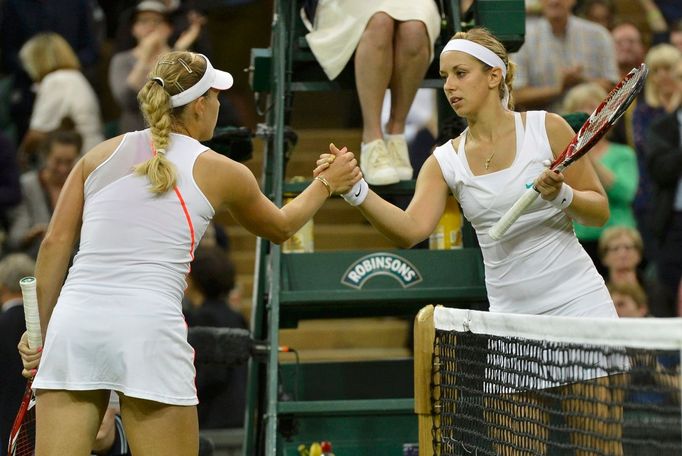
<point x="513" y="396"/>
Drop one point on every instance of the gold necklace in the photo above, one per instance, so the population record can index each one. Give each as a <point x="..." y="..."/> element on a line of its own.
<point x="487" y="160"/>
<point x="486" y="163"/>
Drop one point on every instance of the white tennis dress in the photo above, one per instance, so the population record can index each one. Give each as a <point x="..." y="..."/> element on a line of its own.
<point x="538" y="267"/>
<point x="118" y="322"/>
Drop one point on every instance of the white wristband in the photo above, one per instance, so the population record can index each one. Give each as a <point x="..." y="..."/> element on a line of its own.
<point x="356" y="195"/>
<point x="563" y="198"/>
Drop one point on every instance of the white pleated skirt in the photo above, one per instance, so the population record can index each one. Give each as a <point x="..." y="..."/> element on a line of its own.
<point x="136" y="345"/>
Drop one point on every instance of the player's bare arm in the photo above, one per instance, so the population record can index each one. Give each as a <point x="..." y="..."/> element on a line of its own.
<point x="590" y="205"/>
<point x="407" y="228"/>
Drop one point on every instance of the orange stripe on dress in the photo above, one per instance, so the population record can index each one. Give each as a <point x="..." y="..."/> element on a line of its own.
<point x="184" y="209"/>
<point x="189" y="220"/>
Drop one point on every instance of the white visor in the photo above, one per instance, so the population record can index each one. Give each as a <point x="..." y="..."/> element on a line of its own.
<point x="212" y="79"/>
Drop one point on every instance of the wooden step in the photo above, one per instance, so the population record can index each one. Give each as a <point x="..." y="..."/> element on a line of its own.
<point x="348" y="334"/>
<point x="334" y="211"/>
<point x="327" y="237"/>
<point x="352" y="354"/>
<point x="348" y="407"/>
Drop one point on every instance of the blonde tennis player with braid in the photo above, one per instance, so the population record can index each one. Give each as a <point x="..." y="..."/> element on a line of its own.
<point x="140" y="203"/>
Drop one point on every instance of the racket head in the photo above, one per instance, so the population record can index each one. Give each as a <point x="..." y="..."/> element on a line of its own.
<point x="603" y="118"/>
<point x="22" y="435"/>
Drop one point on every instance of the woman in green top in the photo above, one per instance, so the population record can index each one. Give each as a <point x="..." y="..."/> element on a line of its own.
<point x="616" y="167"/>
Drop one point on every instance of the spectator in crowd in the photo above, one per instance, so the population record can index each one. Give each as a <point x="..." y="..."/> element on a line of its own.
<point x="181" y="15"/>
<point x="662" y="94"/>
<point x="655" y="20"/>
<point x="664" y="149"/>
<point x="64" y="95"/>
<point x="392" y="44"/>
<point x="12" y="268"/>
<point x="20" y="20"/>
<point x="41" y="189"/>
<point x="653" y="379"/>
<point x="675" y="37"/>
<point x="128" y="71"/>
<point x="221" y="389"/>
<point x="10" y="188"/>
<point x="630" y="53"/>
<point x="620" y="251"/>
<point x="616" y="168"/>
<point x="559" y="52"/>
<point x="630" y="49"/>
<point x="630" y="299"/>
<point x="602" y="12"/>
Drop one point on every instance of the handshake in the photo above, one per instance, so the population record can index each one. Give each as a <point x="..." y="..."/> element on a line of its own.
<point x="339" y="172"/>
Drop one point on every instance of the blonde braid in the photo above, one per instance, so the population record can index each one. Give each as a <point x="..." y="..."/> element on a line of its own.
<point x="174" y="72"/>
<point x="156" y="107"/>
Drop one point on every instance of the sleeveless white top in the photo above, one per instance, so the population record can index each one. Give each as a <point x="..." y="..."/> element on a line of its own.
<point x="118" y="322"/>
<point x="538" y="267"/>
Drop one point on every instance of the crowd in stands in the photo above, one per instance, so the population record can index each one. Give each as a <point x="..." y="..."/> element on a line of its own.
<point x="52" y="95"/>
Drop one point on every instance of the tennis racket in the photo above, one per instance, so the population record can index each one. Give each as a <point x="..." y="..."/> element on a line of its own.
<point x="595" y="127"/>
<point x="23" y="435"/>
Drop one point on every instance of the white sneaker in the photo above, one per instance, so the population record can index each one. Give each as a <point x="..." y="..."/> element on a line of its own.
<point x="400" y="156"/>
<point x="375" y="163"/>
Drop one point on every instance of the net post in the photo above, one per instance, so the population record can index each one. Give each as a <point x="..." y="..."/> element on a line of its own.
<point x="424" y="336"/>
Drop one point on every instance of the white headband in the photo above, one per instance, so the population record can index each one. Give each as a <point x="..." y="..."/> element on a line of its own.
<point x="483" y="54"/>
<point x="212" y="78"/>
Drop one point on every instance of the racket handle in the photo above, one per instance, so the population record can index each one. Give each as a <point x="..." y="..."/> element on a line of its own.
<point x="514" y="212"/>
<point x="31" y="315"/>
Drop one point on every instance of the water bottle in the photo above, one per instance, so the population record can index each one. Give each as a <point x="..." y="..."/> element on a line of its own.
<point x="302" y="241"/>
<point x="448" y="232"/>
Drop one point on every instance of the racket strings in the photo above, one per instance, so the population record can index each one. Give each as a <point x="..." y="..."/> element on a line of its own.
<point x="618" y="100"/>
<point x="24" y="443"/>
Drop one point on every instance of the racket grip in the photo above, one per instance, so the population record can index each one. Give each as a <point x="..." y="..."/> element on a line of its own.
<point x="31" y="315"/>
<point x="514" y="212"/>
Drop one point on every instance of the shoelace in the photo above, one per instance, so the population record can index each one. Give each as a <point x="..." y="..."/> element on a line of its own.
<point x="379" y="157"/>
<point x="400" y="158"/>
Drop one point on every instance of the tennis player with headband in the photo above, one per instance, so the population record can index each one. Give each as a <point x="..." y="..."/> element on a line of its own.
<point x="140" y="204"/>
<point x="539" y="267"/>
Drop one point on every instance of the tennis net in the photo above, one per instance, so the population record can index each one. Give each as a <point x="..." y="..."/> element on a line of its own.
<point x="501" y="384"/>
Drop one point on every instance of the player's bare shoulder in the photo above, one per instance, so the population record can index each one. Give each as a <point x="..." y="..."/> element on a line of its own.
<point x="220" y="177"/>
<point x="212" y="165"/>
<point x="99" y="154"/>
<point x="559" y="132"/>
<point x="557" y="125"/>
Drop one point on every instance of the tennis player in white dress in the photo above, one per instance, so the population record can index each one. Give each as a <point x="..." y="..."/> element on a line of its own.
<point x="140" y="203"/>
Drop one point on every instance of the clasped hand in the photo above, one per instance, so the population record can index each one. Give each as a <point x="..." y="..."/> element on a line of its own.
<point x="339" y="167"/>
